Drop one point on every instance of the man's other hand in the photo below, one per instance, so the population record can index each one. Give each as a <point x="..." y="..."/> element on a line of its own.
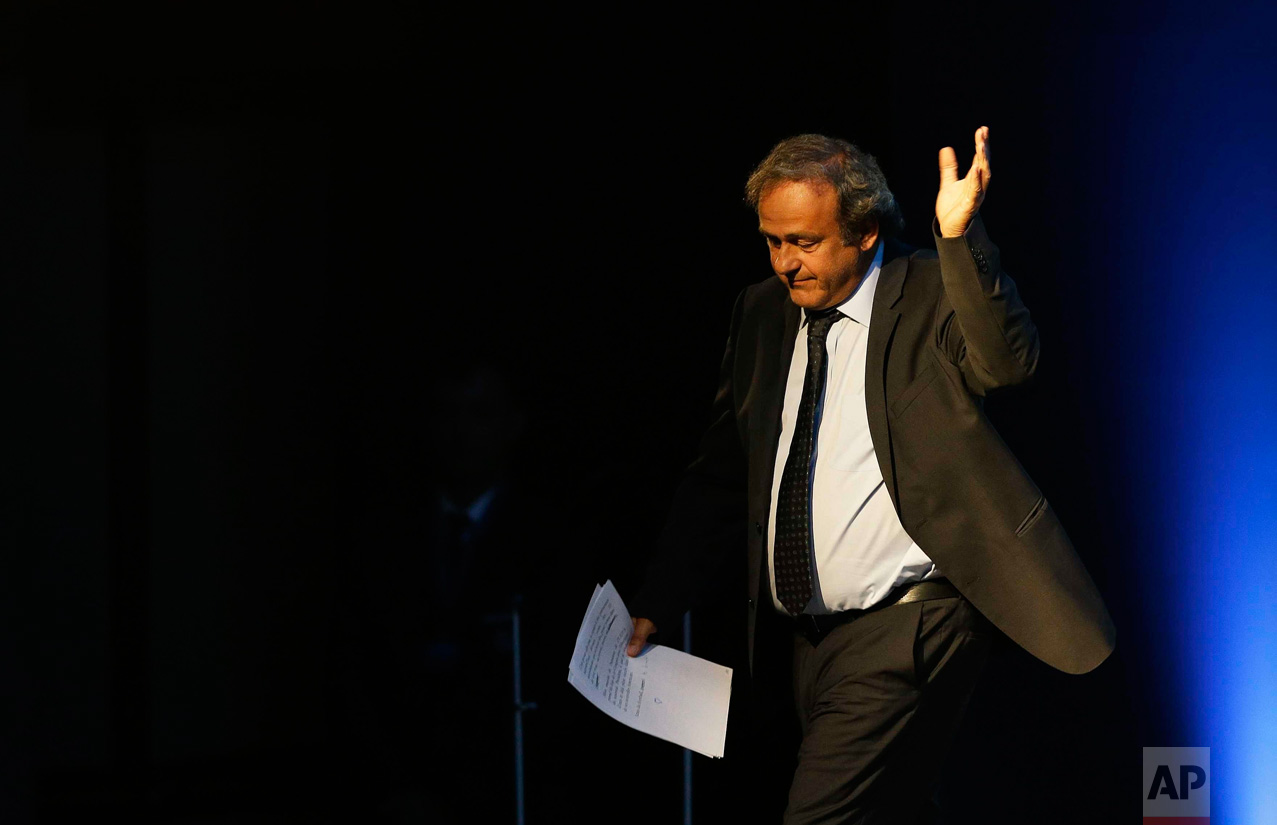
<point x="642" y="629"/>
<point x="959" y="200"/>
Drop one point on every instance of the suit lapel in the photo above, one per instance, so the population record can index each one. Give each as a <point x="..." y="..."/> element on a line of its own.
<point x="882" y="325"/>
<point x="775" y="375"/>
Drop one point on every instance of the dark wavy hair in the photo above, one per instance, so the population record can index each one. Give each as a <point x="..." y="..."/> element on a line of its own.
<point x="863" y="196"/>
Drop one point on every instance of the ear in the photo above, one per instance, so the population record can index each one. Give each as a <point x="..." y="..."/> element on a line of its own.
<point x="870" y="237"/>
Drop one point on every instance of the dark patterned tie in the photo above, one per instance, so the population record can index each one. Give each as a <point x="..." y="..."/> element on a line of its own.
<point x="793" y="502"/>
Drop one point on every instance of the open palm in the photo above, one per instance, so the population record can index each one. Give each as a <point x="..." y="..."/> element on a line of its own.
<point x="960" y="198"/>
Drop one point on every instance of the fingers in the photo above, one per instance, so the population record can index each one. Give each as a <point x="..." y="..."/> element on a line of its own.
<point x="981" y="165"/>
<point x="948" y="165"/>
<point x="979" y="175"/>
<point x="973" y="179"/>
<point x="642" y="629"/>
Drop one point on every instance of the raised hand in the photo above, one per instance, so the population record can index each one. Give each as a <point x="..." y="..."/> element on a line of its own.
<point x="959" y="199"/>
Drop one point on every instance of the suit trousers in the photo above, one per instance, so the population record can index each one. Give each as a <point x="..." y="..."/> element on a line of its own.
<point x="879" y="701"/>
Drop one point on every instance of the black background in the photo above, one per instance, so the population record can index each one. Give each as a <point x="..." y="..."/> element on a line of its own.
<point x="238" y="248"/>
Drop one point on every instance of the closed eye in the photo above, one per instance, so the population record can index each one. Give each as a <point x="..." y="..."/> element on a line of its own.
<point x="805" y="244"/>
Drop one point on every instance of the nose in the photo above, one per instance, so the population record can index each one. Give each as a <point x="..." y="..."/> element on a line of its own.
<point x="784" y="261"/>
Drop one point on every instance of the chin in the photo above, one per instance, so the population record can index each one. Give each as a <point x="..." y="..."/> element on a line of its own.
<point x="807" y="299"/>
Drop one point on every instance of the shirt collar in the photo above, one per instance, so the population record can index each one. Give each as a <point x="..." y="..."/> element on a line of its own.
<point x="859" y="304"/>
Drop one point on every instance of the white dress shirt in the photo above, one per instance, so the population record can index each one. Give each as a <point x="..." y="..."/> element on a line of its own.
<point x="860" y="550"/>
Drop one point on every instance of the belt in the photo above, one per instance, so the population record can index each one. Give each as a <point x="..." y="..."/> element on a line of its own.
<point x="816" y="627"/>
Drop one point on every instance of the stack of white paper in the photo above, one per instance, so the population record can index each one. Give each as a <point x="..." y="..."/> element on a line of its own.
<point x="663" y="692"/>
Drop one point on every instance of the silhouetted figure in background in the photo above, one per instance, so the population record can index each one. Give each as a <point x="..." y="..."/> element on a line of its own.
<point x="428" y="681"/>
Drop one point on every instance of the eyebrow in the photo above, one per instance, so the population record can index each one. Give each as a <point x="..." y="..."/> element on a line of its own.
<point x="793" y="236"/>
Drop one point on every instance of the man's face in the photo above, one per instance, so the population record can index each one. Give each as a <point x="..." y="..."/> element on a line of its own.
<point x="800" y="222"/>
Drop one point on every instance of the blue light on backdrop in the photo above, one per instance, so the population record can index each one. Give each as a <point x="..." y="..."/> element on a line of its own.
<point x="1195" y="248"/>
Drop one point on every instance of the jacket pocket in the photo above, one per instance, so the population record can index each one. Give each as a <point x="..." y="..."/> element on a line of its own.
<point x="1032" y="518"/>
<point x="920" y="382"/>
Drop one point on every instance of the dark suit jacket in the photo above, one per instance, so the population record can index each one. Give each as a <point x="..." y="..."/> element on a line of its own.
<point x="947" y="328"/>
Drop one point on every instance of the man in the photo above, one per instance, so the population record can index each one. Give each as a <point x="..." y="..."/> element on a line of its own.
<point x="887" y="521"/>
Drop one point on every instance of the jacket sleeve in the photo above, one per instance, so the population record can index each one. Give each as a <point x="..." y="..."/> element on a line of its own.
<point x="707" y="516"/>
<point x="981" y="324"/>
